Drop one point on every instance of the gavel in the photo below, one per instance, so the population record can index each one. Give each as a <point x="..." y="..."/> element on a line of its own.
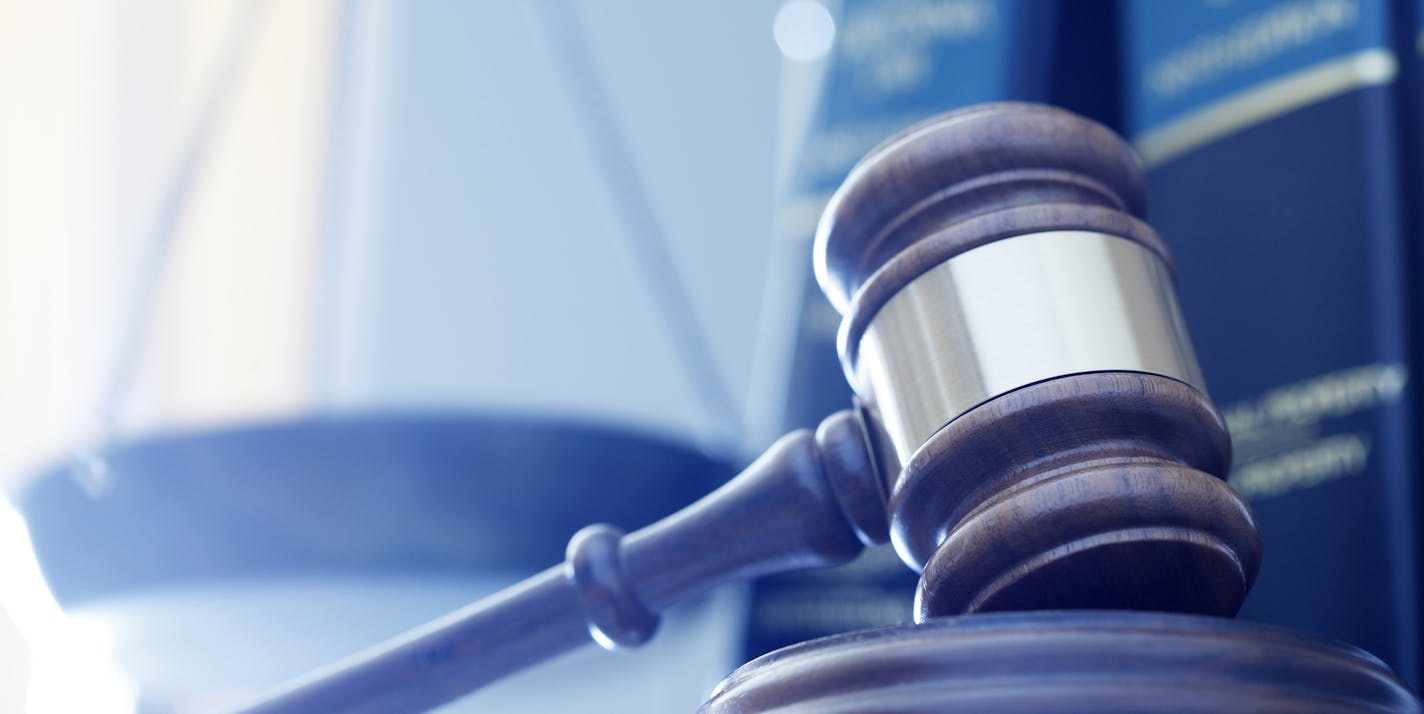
<point x="1031" y="431"/>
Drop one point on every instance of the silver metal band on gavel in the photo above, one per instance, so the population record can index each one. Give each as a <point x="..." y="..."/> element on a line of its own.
<point x="1010" y="313"/>
<point x="987" y="250"/>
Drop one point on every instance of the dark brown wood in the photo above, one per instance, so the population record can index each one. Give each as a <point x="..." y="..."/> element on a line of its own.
<point x="1088" y="491"/>
<point x="1083" y="661"/>
<point x="812" y="500"/>
<point x="1099" y="490"/>
<point x="978" y="160"/>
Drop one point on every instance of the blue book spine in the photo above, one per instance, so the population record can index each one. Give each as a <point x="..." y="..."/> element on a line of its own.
<point x="1269" y="128"/>
<point x="1409" y="41"/>
<point x="894" y="63"/>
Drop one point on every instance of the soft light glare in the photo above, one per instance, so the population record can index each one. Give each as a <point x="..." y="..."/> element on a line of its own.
<point x="804" y="30"/>
<point x="70" y="669"/>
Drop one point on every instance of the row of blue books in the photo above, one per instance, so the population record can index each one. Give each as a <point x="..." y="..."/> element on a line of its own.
<point x="1285" y="171"/>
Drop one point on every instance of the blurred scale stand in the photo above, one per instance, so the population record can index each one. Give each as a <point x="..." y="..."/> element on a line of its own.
<point x="161" y="198"/>
<point x="285" y="288"/>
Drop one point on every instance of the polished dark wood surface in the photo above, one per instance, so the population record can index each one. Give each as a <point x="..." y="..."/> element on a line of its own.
<point x="1088" y="491"/>
<point x="1097" y="490"/>
<point x="1069" y="661"/>
<point x="967" y="163"/>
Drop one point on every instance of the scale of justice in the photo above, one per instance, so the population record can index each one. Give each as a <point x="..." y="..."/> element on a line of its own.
<point x="1032" y="433"/>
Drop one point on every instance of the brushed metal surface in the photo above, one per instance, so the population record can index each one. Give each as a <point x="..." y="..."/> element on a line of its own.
<point x="1014" y="312"/>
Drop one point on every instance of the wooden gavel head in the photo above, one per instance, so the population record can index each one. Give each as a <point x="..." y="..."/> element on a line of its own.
<point x="1012" y="327"/>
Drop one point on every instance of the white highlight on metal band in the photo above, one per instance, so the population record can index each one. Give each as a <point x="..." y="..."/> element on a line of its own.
<point x="1265" y="101"/>
<point x="1015" y="312"/>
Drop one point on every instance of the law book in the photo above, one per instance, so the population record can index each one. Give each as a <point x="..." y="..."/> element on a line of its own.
<point x="895" y="63"/>
<point x="1270" y="131"/>
<point x="1409" y="43"/>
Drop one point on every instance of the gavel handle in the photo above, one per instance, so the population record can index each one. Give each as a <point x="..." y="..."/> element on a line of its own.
<point x="812" y="500"/>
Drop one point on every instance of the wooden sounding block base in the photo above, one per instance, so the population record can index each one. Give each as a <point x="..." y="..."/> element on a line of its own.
<point x="1066" y="661"/>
